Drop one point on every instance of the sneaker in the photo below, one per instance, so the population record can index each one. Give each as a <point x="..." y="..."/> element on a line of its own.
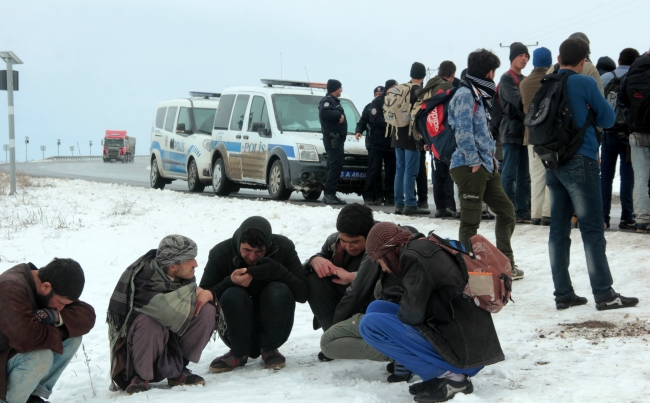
<point x="546" y="221"/>
<point x="324" y="358"/>
<point x="627" y="224"/>
<point x="273" y="359"/>
<point x="36" y="399"/>
<point x="399" y="208"/>
<point x="444" y="213"/>
<point x="420" y="387"/>
<point x="617" y="301"/>
<point x="516" y="273"/>
<point x="573" y="301"/>
<point x="456" y="214"/>
<point x="390" y="367"/>
<point x="137" y="385"/>
<point x="642" y="228"/>
<point x="536" y="221"/>
<point x="333" y="199"/>
<point x="227" y="362"/>
<point x="187" y="378"/>
<point x="400" y="374"/>
<point x="413" y="210"/>
<point x="443" y="391"/>
<point x="423" y="205"/>
<point x="486" y="215"/>
<point x="523" y="220"/>
<point x="390" y="201"/>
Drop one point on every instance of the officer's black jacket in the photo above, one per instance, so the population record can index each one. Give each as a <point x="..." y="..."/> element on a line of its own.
<point x="329" y="112"/>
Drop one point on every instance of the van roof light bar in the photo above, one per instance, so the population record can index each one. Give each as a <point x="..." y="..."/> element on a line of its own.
<point x="205" y="95"/>
<point x="287" y="83"/>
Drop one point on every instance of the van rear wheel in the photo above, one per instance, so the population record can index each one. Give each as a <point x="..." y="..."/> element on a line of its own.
<point x="220" y="182"/>
<point x="193" y="182"/>
<point x="156" y="180"/>
<point x="277" y="188"/>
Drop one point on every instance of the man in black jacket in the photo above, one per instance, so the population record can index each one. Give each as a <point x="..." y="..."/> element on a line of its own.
<point x="257" y="278"/>
<point x="379" y="150"/>
<point x="334" y="128"/>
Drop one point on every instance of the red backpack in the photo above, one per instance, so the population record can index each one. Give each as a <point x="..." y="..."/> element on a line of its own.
<point x="488" y="271"/>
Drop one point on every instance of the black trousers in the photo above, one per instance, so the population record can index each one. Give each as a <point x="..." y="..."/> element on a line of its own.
<point x="334" y="163"/>
<point x="374" y="189"/>
<point x="443" y="186"/>
<point x="262" y="323"/>
<point x="421" y="180"/>
<point x="324" y="295"/>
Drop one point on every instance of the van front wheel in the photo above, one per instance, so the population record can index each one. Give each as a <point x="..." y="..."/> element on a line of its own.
<point x="220" y="182"/>
<point x="277" y="188"/>
<point x="193" y="182"/>
<point x="157" y="181"/>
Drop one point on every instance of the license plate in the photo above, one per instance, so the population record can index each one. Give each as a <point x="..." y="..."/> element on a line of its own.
<point x="353" y="175"/>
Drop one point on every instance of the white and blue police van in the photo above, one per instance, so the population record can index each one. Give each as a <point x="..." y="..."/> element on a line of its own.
<point x="270" y="138"/>
<point x="180" y="141"/>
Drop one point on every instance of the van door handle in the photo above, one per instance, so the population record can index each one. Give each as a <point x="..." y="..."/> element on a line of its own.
<point x="238" y="136"/>
<point x="245" y="137"/>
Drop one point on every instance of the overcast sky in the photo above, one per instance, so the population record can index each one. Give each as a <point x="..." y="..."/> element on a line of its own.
<point x="96" y="65"/>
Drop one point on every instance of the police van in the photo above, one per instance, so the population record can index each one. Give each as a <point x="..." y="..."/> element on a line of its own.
<point x="270" y="138"/>
<point x="180" y="141"/>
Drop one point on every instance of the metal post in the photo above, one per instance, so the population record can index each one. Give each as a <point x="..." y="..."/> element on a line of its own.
<point x="43" y="150"/>
<point x="5" y="148"/>
<point x="91" y="147"/>
<point x="26" y="142"/>
<point x="12" y="139"/>
<point x="58" y="144"/>
<point x="72" y="150"/>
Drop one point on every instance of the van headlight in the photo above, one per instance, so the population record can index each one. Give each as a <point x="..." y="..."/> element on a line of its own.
<point x="307" y="152"/>
<point x="206" y="144"/>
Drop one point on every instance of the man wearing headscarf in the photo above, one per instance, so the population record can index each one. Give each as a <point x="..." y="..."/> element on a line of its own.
<point x="432" y="332"/>
<point x="158" y="319"/>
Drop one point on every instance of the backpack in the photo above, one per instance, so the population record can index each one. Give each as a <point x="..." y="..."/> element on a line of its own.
<point x="638" y="92"/>
<point x="496" y="113"/>
<point x="397" y="105"/>
<point x="488" y="271"/>
<point x="611" y="94"/>
<point x="432" y="121"/>
<point x="551" y="128"/>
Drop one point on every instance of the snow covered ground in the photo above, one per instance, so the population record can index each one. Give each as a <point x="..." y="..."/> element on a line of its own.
<point x="106" y="227"/>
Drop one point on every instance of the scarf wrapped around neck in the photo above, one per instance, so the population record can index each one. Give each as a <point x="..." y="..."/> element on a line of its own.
<point x="482" y="88"/>
<point x="385" y="241"/>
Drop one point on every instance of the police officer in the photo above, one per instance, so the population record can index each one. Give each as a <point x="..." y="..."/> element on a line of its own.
<point x="334" y="127"/>
<point x="373" y="189"/>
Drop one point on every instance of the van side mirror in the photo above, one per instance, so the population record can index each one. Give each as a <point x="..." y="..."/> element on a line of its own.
<point x="260" y="128"/>
<point x="180" y="128"/>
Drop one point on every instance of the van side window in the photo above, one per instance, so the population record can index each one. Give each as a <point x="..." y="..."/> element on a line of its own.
<point x="169" y="122"/>
<point x="160" y="117"/>
<point x="184" y="117"/>
<point x="237" y="119"/>
<point x="258" y="113"/>
<point x="223" y="112"/>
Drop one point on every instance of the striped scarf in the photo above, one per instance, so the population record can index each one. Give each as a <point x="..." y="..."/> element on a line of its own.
<point x="482" y="88"/>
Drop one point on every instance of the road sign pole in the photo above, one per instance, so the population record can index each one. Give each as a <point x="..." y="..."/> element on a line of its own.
<point x="12" y="139"/>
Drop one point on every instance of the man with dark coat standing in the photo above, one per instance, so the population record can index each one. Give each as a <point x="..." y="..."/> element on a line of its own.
<point x="41" y="324"/>
<point x="379" y="150"/>
<point x="257" y="278"/>
<point x="334" y="127"/>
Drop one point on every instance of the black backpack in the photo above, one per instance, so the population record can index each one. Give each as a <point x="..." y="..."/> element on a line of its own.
<point x="638" y="93"/>
<point x="551" y="128"/>
<point x="611" y="94"/>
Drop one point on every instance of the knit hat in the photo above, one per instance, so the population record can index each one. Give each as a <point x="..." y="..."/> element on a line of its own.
<point x="377" y="89"/>
<point x="605" y="65"/>
<point x="385" y="241"/>
<point x="579" y="35"/>
<point x="389" y="84"/>
<point x="333" y="85"/>
<point x="418" y="71"/>
<point x="516" y="49"/>
<point x="542" y="58"/>
<point x="175" y="249"/>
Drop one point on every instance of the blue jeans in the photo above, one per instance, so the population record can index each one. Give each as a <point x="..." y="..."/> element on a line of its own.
<point x="36" y="372"/>
<point x="612" y="149"/>
<point x="575" y="186"/>
<point x="382" y="329"/>
<point x="407" y="168"/>
<point x="515" y="178"/>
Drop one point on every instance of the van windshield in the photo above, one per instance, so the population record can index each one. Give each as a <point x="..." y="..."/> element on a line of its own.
<point x="300" y="112"/>
<point x="114" y="142"/>
<point x="204" y="119"/>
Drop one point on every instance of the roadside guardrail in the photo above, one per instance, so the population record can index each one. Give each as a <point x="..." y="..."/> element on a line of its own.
<point x="82" y="158"/>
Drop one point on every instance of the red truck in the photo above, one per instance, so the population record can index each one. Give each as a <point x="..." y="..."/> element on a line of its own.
<point x="118" y="146"/>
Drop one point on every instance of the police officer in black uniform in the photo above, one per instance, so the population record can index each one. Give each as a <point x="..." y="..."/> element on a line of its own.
<point x="334" y="127"/>
<point x="373" y="189"/>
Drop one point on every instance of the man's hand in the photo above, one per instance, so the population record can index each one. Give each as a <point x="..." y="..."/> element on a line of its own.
<point x="344" y="277"/>
<point x="357" y="136"/>
<point x="323" y="267"/>
<point x="203" y="297"/>
<point x="241" y="278"/>
<point x="342" y="118"/>
<point x="476" y="168"/>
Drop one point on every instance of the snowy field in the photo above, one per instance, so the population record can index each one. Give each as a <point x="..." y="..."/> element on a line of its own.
<point x="551" y="356"/>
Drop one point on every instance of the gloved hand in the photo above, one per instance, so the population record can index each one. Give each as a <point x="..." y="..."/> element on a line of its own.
<point x="47" y="316"/>
<point x="266" y="269"/>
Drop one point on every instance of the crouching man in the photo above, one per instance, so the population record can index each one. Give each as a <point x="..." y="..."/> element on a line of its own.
<point x="41" y="324"/>
<point x="158" y="319"/>
<point x="433" y="331"/>
<point x="258" y="278"/>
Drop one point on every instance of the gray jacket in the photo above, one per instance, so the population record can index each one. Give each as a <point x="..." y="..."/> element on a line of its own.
<point x="511" y="130"/>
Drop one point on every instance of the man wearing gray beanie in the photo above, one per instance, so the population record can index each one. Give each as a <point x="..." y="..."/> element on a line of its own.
<point x="158" y="319"/>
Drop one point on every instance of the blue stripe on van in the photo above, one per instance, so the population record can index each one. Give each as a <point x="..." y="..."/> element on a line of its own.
<point x="171" y="160"/>
<point x="232" y="146"/>
<point x="289" y="150"/>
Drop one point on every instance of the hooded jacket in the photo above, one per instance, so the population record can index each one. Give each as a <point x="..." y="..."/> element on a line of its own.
<point x="224" y="258"/>
<point x="20" y="331"/>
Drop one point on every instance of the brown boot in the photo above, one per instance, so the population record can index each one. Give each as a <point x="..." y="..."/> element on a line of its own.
<point x="227" y="363"/>
<point x="187" y="378"/>
<point x="273" y="359"/>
